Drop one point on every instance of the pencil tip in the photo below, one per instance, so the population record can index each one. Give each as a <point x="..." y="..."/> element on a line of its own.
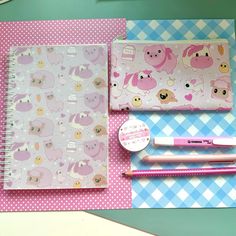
<point x="127" y="173"/>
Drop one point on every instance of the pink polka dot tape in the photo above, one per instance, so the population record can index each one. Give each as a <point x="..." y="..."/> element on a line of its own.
<point x="134" y="135"/>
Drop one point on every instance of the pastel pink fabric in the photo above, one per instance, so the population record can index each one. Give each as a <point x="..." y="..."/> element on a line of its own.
<point x="58" y="32"/>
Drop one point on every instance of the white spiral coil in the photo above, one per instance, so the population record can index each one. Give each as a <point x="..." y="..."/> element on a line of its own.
<point x="7" y="122"/>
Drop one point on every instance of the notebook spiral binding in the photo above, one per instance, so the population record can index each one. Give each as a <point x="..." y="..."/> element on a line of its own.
<point x="7" y="123"/>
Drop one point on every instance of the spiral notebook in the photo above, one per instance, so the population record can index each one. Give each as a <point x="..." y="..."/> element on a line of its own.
<point x="56" y="128"/>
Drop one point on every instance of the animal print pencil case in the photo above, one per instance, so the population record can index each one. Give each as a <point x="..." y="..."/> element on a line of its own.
<point x="170" y="75"/>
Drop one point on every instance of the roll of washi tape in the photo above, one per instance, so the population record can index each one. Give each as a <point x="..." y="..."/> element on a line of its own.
<point x="134" y="135"/>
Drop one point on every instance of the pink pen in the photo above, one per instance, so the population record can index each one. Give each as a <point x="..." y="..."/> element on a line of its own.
<point x="180" y="172"/>
<point x="195" y="141"/>
<point x="210" y="158"/>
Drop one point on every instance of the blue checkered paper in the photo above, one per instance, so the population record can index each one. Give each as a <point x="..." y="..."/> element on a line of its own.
<point x="194" y="192"/>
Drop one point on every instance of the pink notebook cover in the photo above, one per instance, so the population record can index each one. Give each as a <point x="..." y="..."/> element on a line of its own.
<point x="57" y="128"/>
<point x="118" y="194"/>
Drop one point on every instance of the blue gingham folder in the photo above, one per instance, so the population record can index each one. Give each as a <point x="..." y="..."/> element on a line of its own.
<point x="194" y="192"/>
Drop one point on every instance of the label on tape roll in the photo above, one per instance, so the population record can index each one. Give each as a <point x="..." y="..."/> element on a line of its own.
<point x="134" y="135"/>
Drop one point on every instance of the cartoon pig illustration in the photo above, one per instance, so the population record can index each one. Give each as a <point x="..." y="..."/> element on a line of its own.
<point x="42" y="127"/>
<point x="95" y="54"/>
<point x="80" y="72"/>
<point x="79" y="169"/>
<point x="42" y="79"/>
<point x="24" y="56"/>
<point x="40" y="177"/>
<point x="20" y="151"/>
<point x="54" y="57"/>
<point x="81" y="119"/>
<point x="161" y="58"/>
<point x="197" y="57"/>
<point x="22" y="103"/>
<point x="95" y="149"/>
<point x="95" y="101"/>
<point x="140" y="82"/>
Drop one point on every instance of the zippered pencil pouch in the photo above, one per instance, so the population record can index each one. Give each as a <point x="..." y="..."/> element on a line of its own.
<point x="170" y="75"/>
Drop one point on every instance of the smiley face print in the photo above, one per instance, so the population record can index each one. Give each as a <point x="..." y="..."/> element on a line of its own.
<point x="137" y="101"/>
<point x="223" y="67"/>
